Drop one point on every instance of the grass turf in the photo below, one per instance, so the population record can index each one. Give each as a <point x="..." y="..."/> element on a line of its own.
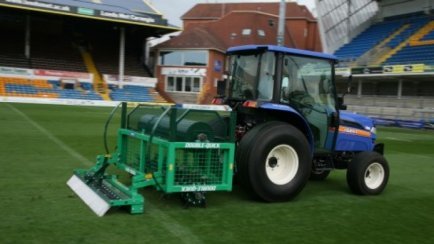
<point x="40" y="145"/>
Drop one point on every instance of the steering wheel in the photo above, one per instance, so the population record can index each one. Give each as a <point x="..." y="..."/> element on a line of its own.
<point x="301" y="98"/>
<point x="305" y="103"/>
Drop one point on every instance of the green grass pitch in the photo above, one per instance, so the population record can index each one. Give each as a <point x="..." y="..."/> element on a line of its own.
<point x="40" y="145"/>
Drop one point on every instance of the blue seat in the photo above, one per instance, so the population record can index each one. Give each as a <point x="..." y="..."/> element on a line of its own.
<point x="131" y="93"/>
<point x="376" y="33"/>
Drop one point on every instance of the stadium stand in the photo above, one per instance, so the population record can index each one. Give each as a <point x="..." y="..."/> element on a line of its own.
<point x="416" y="54"/>
<point x="17" y="87"/>
<point x="392" y="37"/>
<point x="59" y="42"/>
<point x="406" y="40"/>
<point x="55" y="49"/>
<point x="414" y="108"/>
<point x="108" y="62"/>
<point x="12" y="43"/>
<point x="135" y="93"/>
<point x="26" y="88"/>
<point x="429" y="36"/>
<point x="388" y="110"/>
<point x="367" y="40"/>
<point x="50" y="47"/>
<point x="413" y="24"/>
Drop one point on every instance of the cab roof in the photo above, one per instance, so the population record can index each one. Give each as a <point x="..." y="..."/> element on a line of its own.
<point x="274" y="48"/>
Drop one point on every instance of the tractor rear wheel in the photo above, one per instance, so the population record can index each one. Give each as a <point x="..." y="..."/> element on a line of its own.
<point x="275" y="161"/>
<point x="242" y="173"/>
<point x="368" y="173"/>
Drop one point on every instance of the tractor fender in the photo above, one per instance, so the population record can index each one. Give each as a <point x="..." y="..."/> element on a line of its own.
<point x="290" y="115"/>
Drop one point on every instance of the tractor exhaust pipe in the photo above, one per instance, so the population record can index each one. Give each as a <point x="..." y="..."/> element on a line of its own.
<point x="281" y="27"/>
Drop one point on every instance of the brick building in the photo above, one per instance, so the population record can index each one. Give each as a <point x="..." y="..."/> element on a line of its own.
<point x="189" y="65"/>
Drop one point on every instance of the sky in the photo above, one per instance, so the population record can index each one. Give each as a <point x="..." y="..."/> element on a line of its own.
<point x="174" y="9"/>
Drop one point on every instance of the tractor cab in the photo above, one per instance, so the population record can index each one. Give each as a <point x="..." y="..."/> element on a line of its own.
<point x="282" y="80"/>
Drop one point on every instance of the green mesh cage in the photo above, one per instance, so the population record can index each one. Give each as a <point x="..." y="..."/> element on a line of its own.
<point x="174" y="149"/>
<point x="133" y="148"/>
<point x="198" y="166"/>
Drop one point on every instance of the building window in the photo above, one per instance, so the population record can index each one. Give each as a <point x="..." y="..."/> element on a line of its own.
<point x="179" y="86"/>
<point x="246" y="32"/>
<point x="187" y="87"/>
<point x="189" y="84"/>
<point x="261" y="33"/>
<point x="170" y="86"/>
<point x="196" y="84"/>
<point x="184" y="58"/>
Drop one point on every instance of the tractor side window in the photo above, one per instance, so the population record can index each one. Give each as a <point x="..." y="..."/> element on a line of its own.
<point x="266" y="77"/>
<point x="291" y="81"/>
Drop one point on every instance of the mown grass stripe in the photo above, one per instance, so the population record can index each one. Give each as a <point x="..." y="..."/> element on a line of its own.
<point x="180" y="232"/>
<point x="52" y="137"/>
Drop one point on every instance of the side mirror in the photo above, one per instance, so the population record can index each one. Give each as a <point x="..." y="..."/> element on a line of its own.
<point x="349" y="89"/>
<point x="341" y="105"/>
<point x="340" y="101"/>
<point x="221" y="88"/>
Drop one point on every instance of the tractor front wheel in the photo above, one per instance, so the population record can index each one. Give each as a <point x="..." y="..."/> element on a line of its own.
<point x="368" y="173"/>
<point x="276" y="161"/>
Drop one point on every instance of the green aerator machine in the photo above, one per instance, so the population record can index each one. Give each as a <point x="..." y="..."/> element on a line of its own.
<point x="187" y="149"/>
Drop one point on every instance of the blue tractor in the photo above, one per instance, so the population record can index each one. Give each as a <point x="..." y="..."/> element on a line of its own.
<point x="291" y="124"/>
<point x="280" y="120"/>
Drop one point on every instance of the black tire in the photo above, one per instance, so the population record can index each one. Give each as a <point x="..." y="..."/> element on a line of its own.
<point x="242" y="151"/>
<point x="319" y="175"/>
<point x="368" y="173"/>
<point x="260" y="169"/>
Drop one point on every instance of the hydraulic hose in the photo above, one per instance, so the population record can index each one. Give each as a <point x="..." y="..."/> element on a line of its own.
<point x="106" y="126"/>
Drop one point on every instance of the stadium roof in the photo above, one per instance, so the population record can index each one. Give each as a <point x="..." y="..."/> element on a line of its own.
<point x="134" y="12"/>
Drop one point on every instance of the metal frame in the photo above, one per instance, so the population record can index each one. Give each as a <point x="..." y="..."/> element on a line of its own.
<point x="152" y="160"/>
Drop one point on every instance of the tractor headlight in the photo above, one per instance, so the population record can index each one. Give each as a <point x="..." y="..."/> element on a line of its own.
<point x="372" y="129"/>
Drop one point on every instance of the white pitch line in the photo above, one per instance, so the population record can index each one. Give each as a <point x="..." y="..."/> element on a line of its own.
<point x="53" y="138"/>
<point x="181" y="232"/>
<point x="398" y="139"/>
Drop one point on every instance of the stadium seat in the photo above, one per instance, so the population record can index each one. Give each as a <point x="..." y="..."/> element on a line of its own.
<point x="132" y="93"/>
<point x="367" y="39"/>
<point x="413" y="54"/>
<point x="378" y="32"/>
<point x="45" y="89"/>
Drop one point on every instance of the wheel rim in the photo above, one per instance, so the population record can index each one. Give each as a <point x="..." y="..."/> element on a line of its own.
<point x="374" y="175"/>
<point x="281" y="164"/>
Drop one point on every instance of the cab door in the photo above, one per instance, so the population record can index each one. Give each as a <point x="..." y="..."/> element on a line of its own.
<point x="307" y="86"/>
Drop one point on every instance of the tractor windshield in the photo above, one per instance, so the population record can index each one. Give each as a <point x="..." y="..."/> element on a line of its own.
<point x="251" y="76"/>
